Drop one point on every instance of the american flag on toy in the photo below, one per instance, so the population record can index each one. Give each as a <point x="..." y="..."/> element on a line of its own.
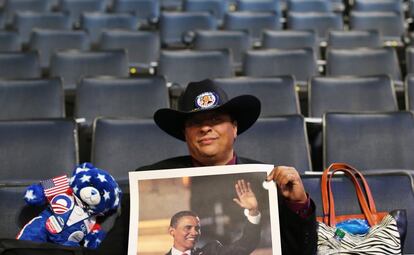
<point x="55" y="186"/>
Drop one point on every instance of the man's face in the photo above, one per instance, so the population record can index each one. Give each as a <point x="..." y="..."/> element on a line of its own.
<point x="210" y="137"/>
<point x="186" y="233"/>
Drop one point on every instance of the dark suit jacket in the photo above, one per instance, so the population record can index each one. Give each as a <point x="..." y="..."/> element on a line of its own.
<point x="244" y="246"/>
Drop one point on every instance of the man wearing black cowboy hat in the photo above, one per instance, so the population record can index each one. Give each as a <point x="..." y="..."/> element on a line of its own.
<point x="209" y="123"/>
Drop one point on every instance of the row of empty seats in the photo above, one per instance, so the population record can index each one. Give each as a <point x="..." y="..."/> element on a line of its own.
<point x="143" y="47"/>
<point x="175" y="26"/>
<point x="128" y="97"/>
<point x="184" y="66"/>
<point x="36" y="149"/>
<point x="141" y="97"/>
<point x="389" y="22"/>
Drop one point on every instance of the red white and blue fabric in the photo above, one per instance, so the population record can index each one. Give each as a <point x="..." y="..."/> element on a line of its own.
<point x="54" y="186"/>
<point x="67" y="221"/>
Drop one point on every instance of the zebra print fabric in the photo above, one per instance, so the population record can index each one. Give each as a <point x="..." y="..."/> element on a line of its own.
<point x="382" y="238"/>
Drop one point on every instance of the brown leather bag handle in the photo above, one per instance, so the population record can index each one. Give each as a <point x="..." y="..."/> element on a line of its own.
<point x="364" y="182"/>
<point x="360" y="194"/>
<point x="325" y="184"/>
<point x="328" y="200"/>
<point x="329" y="205"/>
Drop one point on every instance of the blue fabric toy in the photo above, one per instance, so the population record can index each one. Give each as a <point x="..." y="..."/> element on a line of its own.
<point x="73" y="207"/>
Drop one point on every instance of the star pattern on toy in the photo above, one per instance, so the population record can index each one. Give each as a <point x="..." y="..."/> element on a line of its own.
<point x="102" y="178"/>
<point x="106" y="195"/>
<point x="82" y="168"/>
<point x="75" y="189"/>
<point x="85" y="243"/>
<point x="29" y="195"/>
<point x="71" y="179"/>
<point x="85" y="178"/>
<point x="116" y="203"/>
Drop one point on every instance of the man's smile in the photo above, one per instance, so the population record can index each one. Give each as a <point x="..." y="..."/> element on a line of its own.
<point x="207" y="140"/>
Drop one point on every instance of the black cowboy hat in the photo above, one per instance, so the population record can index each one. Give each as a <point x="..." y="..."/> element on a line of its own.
<point x="206" y="96"/>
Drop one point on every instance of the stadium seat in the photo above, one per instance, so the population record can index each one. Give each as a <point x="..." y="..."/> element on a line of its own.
<point x="369" y="140"/>
<point x="74" y="8"/>
<point x="274" y="62"/>
<point x="253" y="22"/>
<point x="351" y="94"/>
<point x="409" y="92"/>
<point x="142" y="47"/>
<point x="216" y="7"/>
<point x="237" y="41"/>
<point x="11" y="7"/>
<point x="95" y="23"/>
<point x="15" y="213"/>
<point x="37" y="149"/>
<point x="378" y="6"/>
<point x="345" y="94"/>
<point x="389" y="24"/>
<point x="123" y="145"/>
<point x="72" y="65"/>
<point x="276" y="94"/>
<point x="364" y="61"/>
<point x="19" y="65"/>
<point x="10" y="41"/>
<point x="31" y="99"/>
<point x="309" y="6"/>
<point x="184" y="66"/>
<point x="290" y="39"/>
<point x="338" y="39"/>
<point x="390" y="190"/>
<point x="25" y="22"/>
<point x="258" y="6"/>
<point x="409" y="59"/>
<point x="147" y="11"/>
<point x="120" y="97"/>
<point x="171" y="5"/>
<point x="116" y="97"/>
<point x="410" y="11"/>
<point x="320" y="22"/>
<point x="176" y="27"/>
<point x="2" y="17"/>
<point x="48" y="41"/>
<point x="270" y="140"/>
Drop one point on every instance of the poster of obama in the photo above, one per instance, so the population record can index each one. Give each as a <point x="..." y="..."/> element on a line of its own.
<point x="204" y="210"/>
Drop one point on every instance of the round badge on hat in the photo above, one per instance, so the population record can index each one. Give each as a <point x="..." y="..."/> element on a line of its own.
<point x="206" y="100"/>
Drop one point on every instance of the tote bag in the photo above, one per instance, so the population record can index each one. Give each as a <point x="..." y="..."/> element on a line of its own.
<point x="386" y="232"/>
